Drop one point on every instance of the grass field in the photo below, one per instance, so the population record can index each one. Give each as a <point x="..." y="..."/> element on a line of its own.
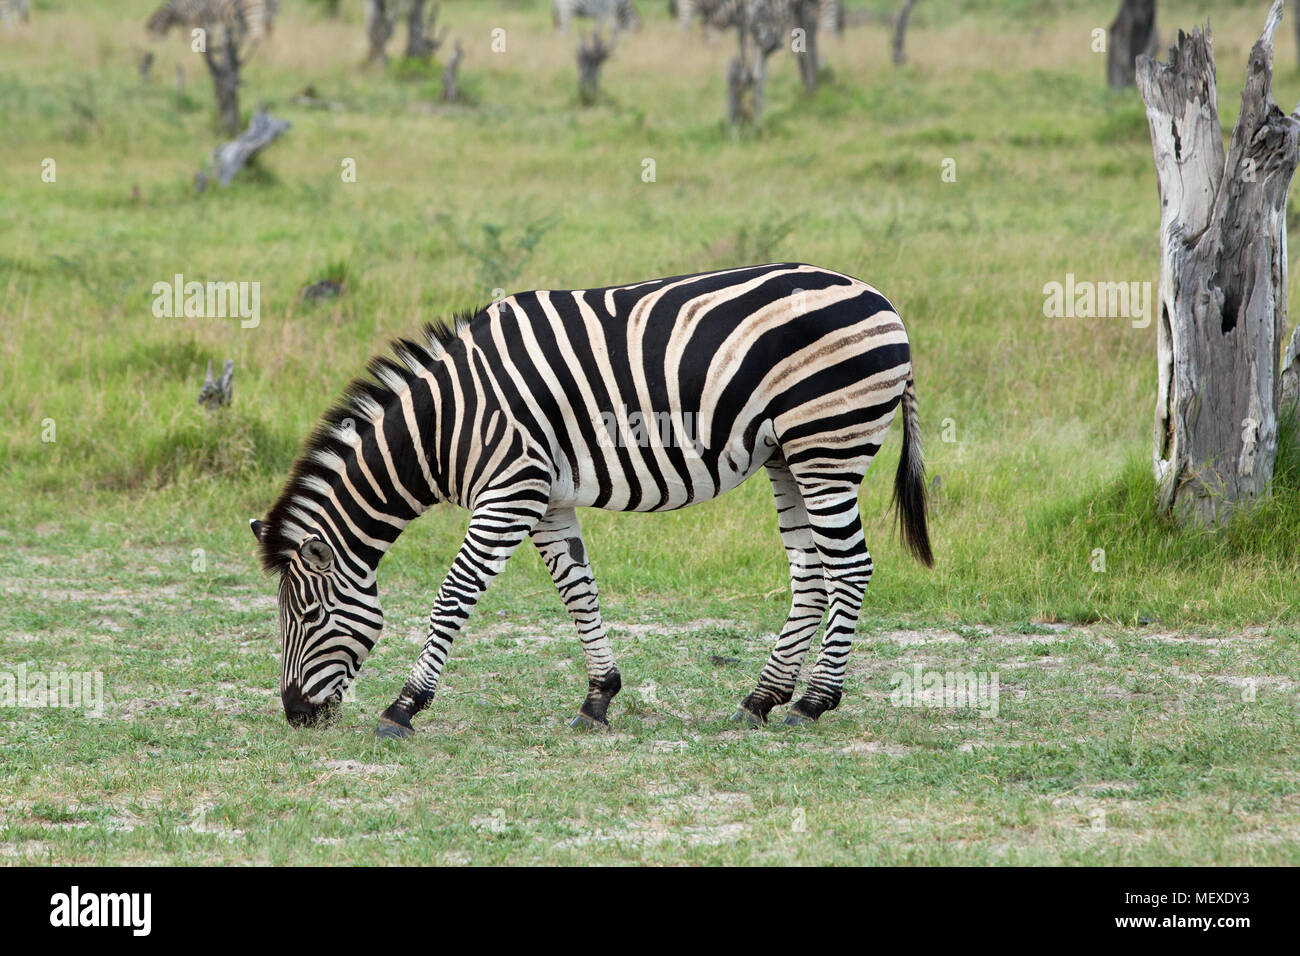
<point x="1148" y="702"/>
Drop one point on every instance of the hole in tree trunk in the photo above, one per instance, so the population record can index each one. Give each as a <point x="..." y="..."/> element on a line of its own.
<point x="1231" y="306"/>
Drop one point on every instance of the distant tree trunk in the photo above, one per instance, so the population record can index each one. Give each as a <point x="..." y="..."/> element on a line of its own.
<point x="590" y="58"/>
<point x="1222" y="298"/>
<point x="420" y="44"/>
<point x="741" y="108"/>
<point x="451" y="76"/>
<point x="805" y="19"/>
<point x="763" y="25"/>
<point x="900" y="32"/>
<point x="381" y="20"/>
<point x="1132" y="34"/>
<point x="223" y="63"/>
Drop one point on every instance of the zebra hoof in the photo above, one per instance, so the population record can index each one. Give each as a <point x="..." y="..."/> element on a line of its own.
<point x="583" y="722"/>
<point x="797" y="716"/>
<point x="747" y="718"/>
<point x="392" y="730"/>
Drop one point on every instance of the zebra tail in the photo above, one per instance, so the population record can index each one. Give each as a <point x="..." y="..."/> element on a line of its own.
<point x="909" y="483"/>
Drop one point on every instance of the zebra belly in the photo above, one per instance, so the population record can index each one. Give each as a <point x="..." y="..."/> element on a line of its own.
<point x="657" y="461"/>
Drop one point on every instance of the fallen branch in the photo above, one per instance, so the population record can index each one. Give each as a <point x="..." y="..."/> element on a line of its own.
<point x="229" y="158"/>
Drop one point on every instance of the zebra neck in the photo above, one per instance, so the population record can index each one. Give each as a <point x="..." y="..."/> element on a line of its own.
<point x="367" y="489"/>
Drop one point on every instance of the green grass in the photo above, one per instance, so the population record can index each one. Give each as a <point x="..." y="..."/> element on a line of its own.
<point x="1038" y="430"/>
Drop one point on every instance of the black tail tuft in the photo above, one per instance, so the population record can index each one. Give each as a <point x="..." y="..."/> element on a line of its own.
<point x="909" y="483"/>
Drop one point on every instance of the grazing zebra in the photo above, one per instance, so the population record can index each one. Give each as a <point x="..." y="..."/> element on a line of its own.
<point x="725" y="14"/>
<point x="645" y="397"/>
<point x="622" y="13"/>
<point x="252" y="18"/>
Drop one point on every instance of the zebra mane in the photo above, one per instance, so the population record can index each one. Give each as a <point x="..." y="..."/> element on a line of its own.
<point x="363" y="400"/>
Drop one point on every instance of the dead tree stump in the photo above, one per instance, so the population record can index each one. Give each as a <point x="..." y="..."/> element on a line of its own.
<point x="1132" y="34"/>
<point x="451" y="76"/>
<point x="1222" y="295"/>
<point x="590" y="57"/>
<point x="218" y="393"/>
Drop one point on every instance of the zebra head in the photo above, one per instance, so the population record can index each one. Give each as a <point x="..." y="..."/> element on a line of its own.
<point x="329" y="623"/>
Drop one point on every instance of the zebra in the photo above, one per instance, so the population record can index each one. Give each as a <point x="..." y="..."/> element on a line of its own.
<point x="251" y="18"/>
<point x="623" y="13"/>
<point x="725" y="14"/>
<point x="513" y="412"/>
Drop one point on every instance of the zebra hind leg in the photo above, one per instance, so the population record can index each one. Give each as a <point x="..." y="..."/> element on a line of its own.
<point x="807" y="601"/>
<point x="559" y="540"/>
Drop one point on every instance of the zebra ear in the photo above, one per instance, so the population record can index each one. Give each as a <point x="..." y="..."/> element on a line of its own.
<point x="259" y="528"/>
<point x="316" y="554"/>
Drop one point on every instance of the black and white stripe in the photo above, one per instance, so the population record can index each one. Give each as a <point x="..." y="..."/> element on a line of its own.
<point x="726" y="14"/>
<point x="519" y="415"/>
<point x="251" y="18"/>
<point x="619" y="15"/>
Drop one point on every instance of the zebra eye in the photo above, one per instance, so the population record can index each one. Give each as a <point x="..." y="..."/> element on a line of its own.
<point x="313" y="615"/>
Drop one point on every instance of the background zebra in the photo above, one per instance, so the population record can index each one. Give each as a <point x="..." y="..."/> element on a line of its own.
<point x="646" y="397"/>
<point x="725" y="14"/>
<point x="250" y="18"/>
<point x="620" y="14"/>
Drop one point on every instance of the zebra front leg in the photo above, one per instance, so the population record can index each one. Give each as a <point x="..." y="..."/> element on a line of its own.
<point x="559" y="539"/>
<point x="492" y="537"/>
<point x="846" y="562"/>
<point x="807" y="602"/>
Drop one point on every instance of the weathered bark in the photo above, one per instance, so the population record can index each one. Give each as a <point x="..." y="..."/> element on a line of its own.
<point x="223" y="63"/>
<point x="1222" y="296"/>
<point x="229" y="158"/>
<point x="381" y="21"/>
<point x="1132" y="34"/>
<point x="805" y="19"/>
<point x="900" y="32"/>
<point x="590" y="57"/>
<point x="451" y="76"/>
